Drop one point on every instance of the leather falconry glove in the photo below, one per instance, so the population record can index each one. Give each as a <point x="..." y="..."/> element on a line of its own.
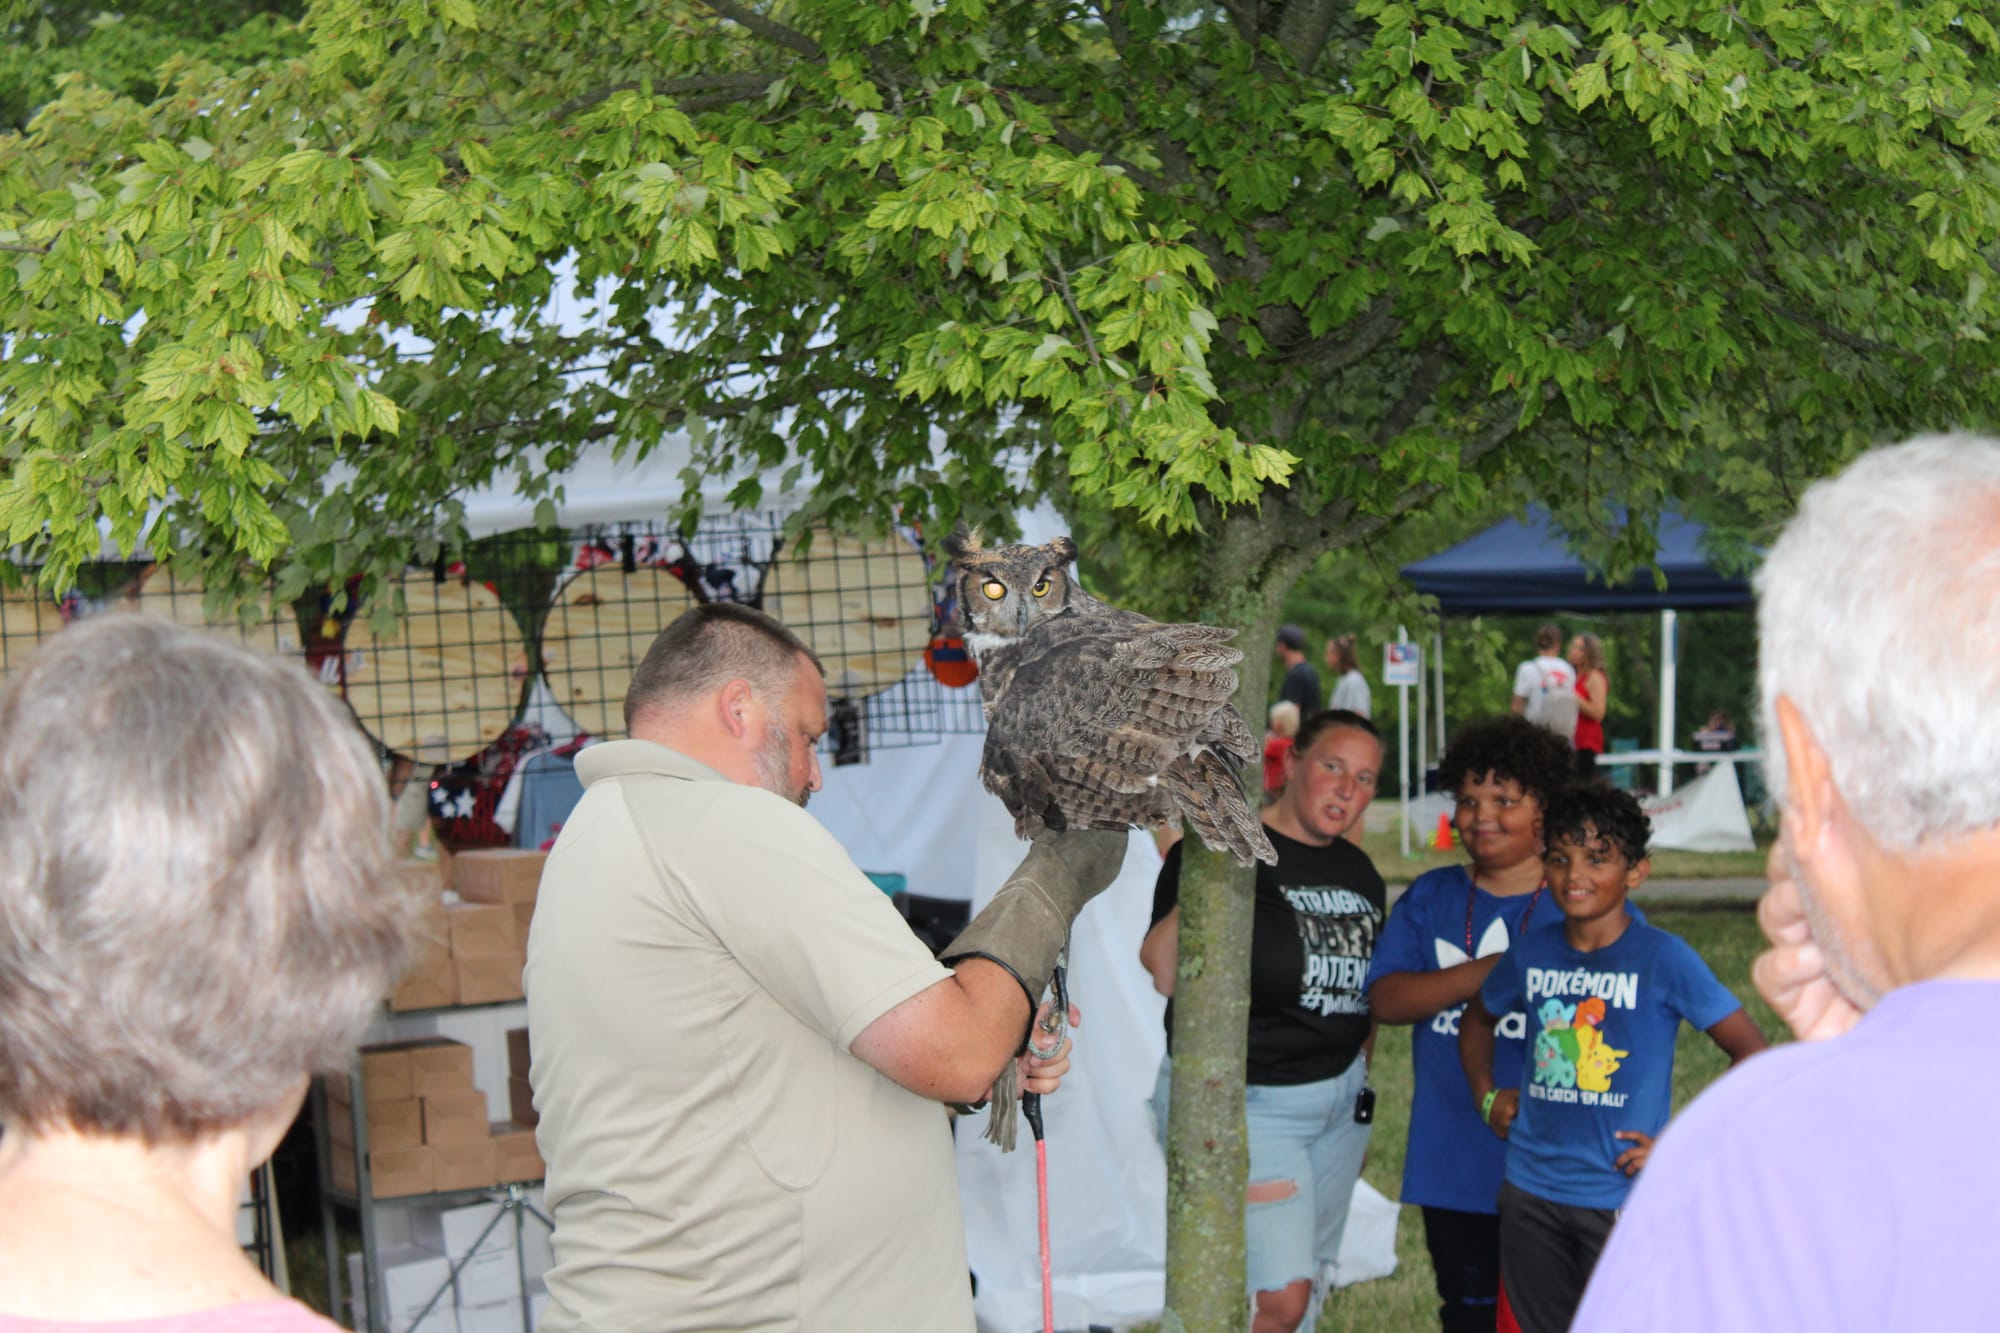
<point x="1026" y="926"/>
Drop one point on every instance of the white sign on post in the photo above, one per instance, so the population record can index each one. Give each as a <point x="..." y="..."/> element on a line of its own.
<point x="1402" y="664"/>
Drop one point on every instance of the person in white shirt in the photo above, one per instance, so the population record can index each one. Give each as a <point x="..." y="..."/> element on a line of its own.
<point x="1545" y="685"/>
<point x="1350" y="687"/>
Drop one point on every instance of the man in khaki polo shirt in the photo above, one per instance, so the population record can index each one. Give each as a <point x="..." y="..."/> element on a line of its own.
<point x="740" y="1050"/>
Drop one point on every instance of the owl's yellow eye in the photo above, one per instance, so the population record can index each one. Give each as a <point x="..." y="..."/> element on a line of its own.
<point x="994" y="589"/>
<point x="1042" y="586"/>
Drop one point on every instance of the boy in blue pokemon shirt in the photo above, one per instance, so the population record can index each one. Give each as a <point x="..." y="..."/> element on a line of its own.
<point x="1605" y="997"/>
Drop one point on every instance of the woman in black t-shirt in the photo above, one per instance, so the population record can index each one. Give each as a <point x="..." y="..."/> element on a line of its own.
<point x="1316" y="915"/>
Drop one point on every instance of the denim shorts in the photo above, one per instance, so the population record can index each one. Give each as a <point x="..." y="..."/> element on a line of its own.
<point x="1303" y="1135"/>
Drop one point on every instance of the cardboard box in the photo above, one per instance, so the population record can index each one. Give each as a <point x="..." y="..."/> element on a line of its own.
<point x="390" y="1124"/>
<point x="487" y="980"/>
<point x="492" y="1277"/>
<point x="343" y="1173"/>
<point x="399" y="1070"/>
<point x="395" y="1124"/>
<point x="439" y="1066"/>
<point x="524" y="919"/>
<point x="521" y="1103"/>
<point x="443" y="1318"/>
<point x="501" y="1317"/>
<point x="519" y="1057"/>
<point x="426" y="984"/>
<point x="498" y="874"/>
<point x="516" y="1156"/>
<point x="433" y="933"/>
<point x="422" y="876"/>
<point x="397" y="1172"/>
<point x="386" y="1075"/>
<point x="457" y="1232"/>
<point x="482" y="930"/>
<point x="464" y="1166"/>
<point x="454" y="1117"/>
<point x="410" y="1277"/>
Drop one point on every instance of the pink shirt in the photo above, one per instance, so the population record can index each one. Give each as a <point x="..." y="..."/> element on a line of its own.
<point x="250" y="1317"/>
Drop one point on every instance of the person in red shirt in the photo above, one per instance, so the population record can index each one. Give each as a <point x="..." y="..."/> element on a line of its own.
<point x="1593" y="694"/>
<point x="1277" y="744"/>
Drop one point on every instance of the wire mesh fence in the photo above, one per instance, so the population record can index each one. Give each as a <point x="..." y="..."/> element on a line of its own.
<point x="539" y="632"/>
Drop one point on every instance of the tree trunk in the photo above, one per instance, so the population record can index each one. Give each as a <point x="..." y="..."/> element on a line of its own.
<point x="1208" y="1158"/>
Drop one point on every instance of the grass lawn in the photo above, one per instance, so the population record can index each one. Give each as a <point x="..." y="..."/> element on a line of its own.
<point x="1725" y="934"/>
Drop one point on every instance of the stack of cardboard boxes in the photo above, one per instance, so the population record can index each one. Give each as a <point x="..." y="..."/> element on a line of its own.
<point x="413" y="1279"/>
<point x="492" y="1260"/>
<point x="427" y="1125"/>
<point x="520" y="1093"/>
<point x="475" y="947"/>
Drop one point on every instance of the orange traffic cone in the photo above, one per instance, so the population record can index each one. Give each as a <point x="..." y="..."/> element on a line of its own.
<point x="1443" y="839"/>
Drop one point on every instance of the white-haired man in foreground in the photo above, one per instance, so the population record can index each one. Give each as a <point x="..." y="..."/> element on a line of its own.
<point x="1848" y="1181"/>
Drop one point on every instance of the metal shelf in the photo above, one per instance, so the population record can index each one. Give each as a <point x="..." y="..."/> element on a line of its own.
<point x="509" y="1197"/>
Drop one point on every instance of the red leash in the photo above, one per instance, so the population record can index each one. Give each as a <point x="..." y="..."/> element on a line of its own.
<point x="1031" y="1106"/>
<point x="1056" y="1025"/>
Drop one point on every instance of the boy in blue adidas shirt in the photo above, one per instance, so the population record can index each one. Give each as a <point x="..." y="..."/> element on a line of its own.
<point x="1605" y="997"/>
<point x="1444" y="936"/>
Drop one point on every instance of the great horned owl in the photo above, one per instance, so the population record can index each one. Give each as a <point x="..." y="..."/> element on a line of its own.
<point x="1098" y="717"/>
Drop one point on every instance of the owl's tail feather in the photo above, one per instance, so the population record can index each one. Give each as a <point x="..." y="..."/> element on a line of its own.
<point x="1210" y="793"/>
<point x="1228" y="731"/>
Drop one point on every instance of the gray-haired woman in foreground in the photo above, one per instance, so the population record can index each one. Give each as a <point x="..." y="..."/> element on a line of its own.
<point x="195" y="914"/>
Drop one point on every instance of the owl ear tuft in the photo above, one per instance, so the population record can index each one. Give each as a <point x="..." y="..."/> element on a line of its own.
<point x="1063" y="548"/>
<point x="960" y="543"/>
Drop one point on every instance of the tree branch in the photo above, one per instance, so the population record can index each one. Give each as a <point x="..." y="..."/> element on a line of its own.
<point x="1079" y="145"/>
<point x="1303" y="28"/>
<point x="749" y="81"/>
<point x="1069" y="304"/>
<point x="1076" y="143"/>
<point x="769" y="29"/>
<point x="1246" y="16"/>
<point x="1113" y="25"/>
<point x="1352" y="343"/>
<point x="1424" y="381"/>
<point x="1841" y="336"/>
<point x="1488" y="440"/>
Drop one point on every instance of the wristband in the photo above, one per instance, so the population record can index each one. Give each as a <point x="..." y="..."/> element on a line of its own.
<point x="1486" y="1105"/>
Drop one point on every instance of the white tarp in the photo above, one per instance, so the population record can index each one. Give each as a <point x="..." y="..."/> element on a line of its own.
<point x="600" y="488"/>
<point x="1705" y="815"/>
<point x="921" y="812"/>
<point x="1107" y="1177"/>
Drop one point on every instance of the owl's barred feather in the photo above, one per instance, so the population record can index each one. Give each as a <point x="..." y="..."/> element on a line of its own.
<point x="1096" y="716"/>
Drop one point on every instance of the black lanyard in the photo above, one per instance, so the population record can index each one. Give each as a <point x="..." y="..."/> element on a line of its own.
<point x="1472" y="897"/>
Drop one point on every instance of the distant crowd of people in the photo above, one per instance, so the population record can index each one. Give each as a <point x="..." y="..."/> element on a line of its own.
<point x="1565" y="692"/>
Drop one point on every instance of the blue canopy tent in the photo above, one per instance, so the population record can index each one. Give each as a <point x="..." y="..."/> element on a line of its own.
<point x="1524" y="566"/>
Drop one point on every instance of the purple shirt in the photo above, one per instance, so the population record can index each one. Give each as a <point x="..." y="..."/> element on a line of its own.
<point x="1824" y="1186"/>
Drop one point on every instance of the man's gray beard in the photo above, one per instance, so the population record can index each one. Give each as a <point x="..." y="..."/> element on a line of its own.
<point x="773" y="762"/>
<point x="1841" y="970"/>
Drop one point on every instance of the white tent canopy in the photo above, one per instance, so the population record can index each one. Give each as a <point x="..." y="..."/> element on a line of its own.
<point x="601" y="488"/>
